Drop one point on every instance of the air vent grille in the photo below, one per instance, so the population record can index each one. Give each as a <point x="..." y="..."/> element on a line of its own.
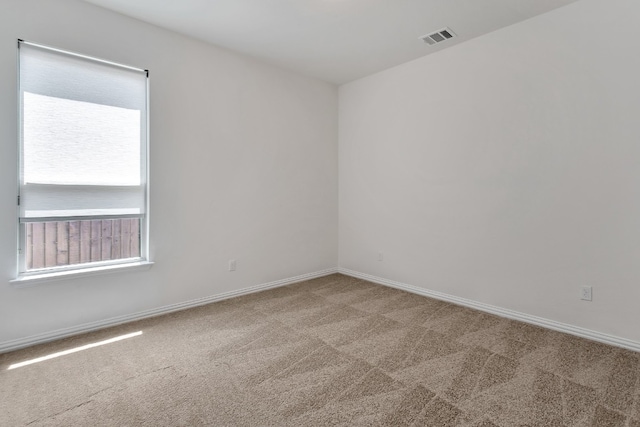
<point x="439" y="36"/>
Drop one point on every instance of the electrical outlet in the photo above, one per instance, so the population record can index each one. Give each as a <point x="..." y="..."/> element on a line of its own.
<point x="380" y="256"/>
<point x="232" y="265"/>
<point x="585" y="293"/>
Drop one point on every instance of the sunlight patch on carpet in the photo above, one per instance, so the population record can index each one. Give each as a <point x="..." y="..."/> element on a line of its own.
<point x="73" y="350"/>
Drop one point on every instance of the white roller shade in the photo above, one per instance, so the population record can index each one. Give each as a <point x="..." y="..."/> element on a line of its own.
<point x="83" y="150"/>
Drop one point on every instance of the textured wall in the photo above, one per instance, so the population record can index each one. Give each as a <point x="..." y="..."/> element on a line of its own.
<point x="506" y="169"/>
<point x="243" y="166"/>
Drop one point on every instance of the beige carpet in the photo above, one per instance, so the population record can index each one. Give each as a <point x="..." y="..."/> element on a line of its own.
<point x="329" y="351"/>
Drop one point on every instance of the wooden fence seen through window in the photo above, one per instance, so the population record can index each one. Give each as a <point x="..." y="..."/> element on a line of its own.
<point x="58" y="243"/>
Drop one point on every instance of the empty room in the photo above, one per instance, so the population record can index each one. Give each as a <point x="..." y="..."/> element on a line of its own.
<point x="320" y="212"/>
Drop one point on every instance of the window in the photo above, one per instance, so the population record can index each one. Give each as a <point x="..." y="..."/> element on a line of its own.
<point x="83" y="161"/>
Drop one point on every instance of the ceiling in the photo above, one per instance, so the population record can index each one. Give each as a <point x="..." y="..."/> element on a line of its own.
<point x="335" y="40"/>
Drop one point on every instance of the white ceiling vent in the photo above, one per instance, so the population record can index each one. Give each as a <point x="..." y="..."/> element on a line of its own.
<point x="438" y="36"/>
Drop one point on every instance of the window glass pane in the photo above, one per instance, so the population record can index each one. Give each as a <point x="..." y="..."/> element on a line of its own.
<point x="67" y="243"/>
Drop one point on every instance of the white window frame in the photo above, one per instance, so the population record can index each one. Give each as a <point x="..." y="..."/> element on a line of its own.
<point x="93" y="267"/>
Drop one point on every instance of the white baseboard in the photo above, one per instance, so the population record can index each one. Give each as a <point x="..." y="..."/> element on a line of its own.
<point x="12" y="345"/>
<point x="502" y="312"/>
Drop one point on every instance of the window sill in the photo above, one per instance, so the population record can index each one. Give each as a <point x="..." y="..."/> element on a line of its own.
<point x="33" y="279"/>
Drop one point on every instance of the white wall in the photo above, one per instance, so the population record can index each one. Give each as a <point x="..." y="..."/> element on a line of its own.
<point x="243" y="166"/>
<point x="505" y="170"/>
